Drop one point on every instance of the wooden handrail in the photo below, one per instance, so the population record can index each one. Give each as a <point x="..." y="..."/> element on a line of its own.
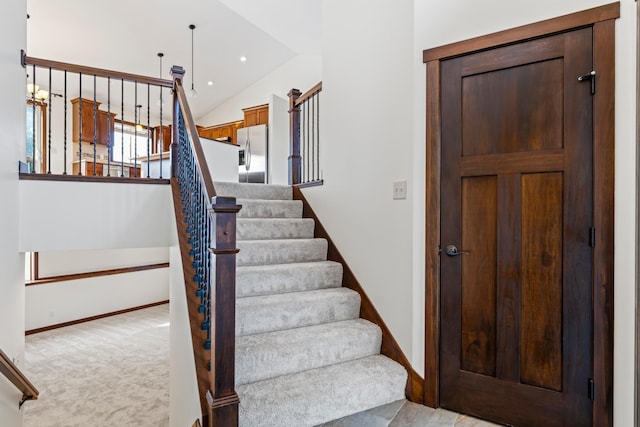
<point x="98" y="72"/>
<point x="308" y="94"/>
<point x="194" y="138"/>
<point x="18" y="379"/>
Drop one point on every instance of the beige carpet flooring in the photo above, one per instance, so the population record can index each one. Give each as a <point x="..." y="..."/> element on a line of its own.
<point x="108" y="372"/>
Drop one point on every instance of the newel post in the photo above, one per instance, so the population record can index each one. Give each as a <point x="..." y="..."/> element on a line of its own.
<point x="295" y="163"/>
<point x="177" y="73"/>
<point x="222" y="398"/>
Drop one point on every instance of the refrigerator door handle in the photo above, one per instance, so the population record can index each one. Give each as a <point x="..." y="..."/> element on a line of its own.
<point x="247" y="154"/>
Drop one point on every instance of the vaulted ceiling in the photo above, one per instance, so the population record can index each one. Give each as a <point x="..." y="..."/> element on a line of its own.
<point x="126" y="35"/>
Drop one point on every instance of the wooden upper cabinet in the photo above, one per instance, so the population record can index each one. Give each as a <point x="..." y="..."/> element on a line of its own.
<point x="256" y="115"/>
<point x="104" y="122"/>
<point x="221" y="131"/>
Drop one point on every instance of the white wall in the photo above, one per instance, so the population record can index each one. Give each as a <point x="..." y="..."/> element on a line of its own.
<point x="433" y="27"/>
<point x="222" y="160"/>
<point x="59" y="302"/>
<point x="64" y="301"/>
<point x="58" y="216"/>
<point x="70" y="262"/>
<point x="278" y="140"/>
<point x="184" y="402"/>
<point x="301" y="72"/>
<point x="367" y="133"/>
<point x="12" y="134"/>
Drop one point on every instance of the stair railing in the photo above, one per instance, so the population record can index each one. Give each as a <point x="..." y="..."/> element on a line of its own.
<point x="92" y="122"/>
<point x="18" y="379"/>
<point x="210" y="241"/>
<point x="304" y="137"/>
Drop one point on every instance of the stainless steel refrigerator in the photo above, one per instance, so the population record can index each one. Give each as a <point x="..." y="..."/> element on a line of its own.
<point x="254" y="154"/>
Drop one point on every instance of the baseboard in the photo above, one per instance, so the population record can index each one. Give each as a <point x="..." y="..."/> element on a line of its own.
<point x="99" y="316"/>
<point x="390" y="348"/>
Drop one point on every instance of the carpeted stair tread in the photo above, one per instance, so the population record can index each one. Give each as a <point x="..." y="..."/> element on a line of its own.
<point x="254" y="191"/>
<point x="257" y="208"/>
<point x="260" y="356"/>
<point x="283" y="251"/>
<point x="320" y="395"/>
<point x="274" y="228"/>
<point x="255" y="315"/>
<point x="284" y="278"/>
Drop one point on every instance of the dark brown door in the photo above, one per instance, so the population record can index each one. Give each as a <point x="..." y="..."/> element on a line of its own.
<point x="517" y="196"/>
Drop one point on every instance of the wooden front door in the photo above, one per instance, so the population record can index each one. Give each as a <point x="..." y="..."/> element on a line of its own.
<point x="516" y="234"/>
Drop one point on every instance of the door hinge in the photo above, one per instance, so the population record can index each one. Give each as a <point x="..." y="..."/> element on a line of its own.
<point x="591" y="392"/>
<point x="589" y="76"/>
<point x="439" y="250"/>
<point x="592" y="237"/>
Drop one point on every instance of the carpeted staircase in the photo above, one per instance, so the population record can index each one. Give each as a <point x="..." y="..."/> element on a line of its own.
<point x="303" y="356"/>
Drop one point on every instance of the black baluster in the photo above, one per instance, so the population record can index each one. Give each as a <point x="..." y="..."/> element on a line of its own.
<point x="80" y="134"/>
<point x="307" y="152"/>
<point x="122" y="129"/>
<point x="317" y="154"/>
<point x="109" y="133"/>
<point x="161" y="147"/>
<point x="148" y="130"/>
<point x="135" y="134"/>
<point x="65" y="122"/>
<point x="95" y="125"/>
<point x="33" y="136"/>
<point x="49" y="127"/>
<point x="312" y="172"/>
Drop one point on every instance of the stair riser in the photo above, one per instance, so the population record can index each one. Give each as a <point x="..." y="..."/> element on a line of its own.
<point x="278" y="279"/>
<point x="321" y="395"/>
<point x="266" y="314"/>
<point x="256" y="252"/>
<point x="254" y="191"/>
<point x="260" y="357"/>
<point x="270" y="208"/>
<point x="265" y="229"/>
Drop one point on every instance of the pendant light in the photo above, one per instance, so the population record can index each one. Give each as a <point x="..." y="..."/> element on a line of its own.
<point x="160" y="101"/>
<point x="192" y="92"/>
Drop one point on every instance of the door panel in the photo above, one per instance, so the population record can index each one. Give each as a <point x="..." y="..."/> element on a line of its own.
<point x="516" y="310"/>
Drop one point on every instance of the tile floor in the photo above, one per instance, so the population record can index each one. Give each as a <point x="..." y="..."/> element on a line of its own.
<point x="406" y="414"/>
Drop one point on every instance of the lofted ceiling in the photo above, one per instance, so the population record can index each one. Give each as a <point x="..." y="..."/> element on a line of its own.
<point x="126" y="36"/>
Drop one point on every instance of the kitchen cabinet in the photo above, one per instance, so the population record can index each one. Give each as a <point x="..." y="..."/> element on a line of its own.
<point x="104" y="122"/>
<point x="222" y="131"/>
<point x="256" y="115"/>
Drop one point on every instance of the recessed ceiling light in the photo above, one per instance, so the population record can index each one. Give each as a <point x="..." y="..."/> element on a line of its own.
<point x="210" y="83"/>
<point x="243" y="59"/>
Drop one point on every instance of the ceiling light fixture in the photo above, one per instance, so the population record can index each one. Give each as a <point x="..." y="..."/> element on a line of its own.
<point x="192" y="92"/>
<point x="138" y="125"/>
<point x="160" y="101"/>
<point x="40" y="94"/>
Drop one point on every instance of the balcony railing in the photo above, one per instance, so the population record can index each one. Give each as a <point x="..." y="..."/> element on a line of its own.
<point x="87" y="121"/>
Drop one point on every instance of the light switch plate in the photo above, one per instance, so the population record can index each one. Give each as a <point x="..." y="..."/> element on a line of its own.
<point x="400" y="190"/>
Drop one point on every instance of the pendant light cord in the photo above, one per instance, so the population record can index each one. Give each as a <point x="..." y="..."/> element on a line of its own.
<point x="192" y="27"/>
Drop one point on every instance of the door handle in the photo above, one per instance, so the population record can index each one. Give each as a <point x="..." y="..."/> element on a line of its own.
<point x="451" y="250"/>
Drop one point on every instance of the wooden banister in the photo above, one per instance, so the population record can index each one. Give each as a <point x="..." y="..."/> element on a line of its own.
<point x="207" y="235"/>
<point x="304" y="137"/>
<point x="18" y="379"/>
<point x="98" y="72"/>
<point x="308" y="94"/>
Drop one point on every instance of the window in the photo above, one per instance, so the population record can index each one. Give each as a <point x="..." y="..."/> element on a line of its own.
<point x="129" y="142"/>
<point x="36" y="136"/>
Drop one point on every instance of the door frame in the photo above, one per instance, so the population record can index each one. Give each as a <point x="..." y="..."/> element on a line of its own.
<point x="602" y="20"/>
